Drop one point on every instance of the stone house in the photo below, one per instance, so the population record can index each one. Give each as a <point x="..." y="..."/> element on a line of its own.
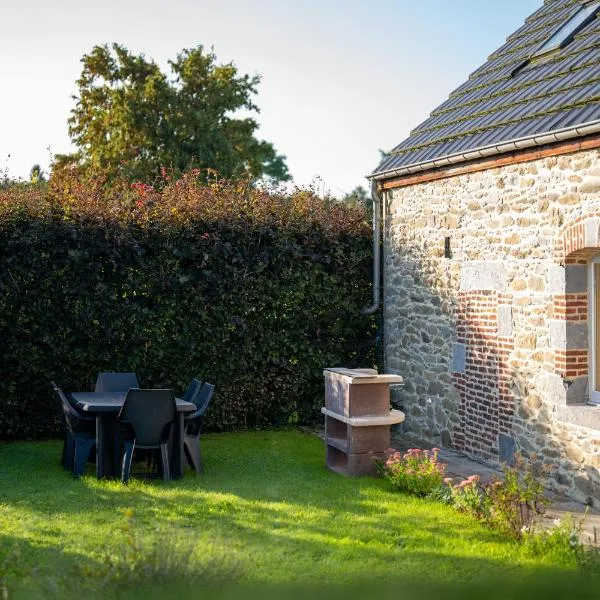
<point x="491" y="225"/>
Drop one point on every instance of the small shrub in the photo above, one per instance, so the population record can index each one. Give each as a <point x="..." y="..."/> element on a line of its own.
<point x="510" y="504"/>
<point x="442" y="493"/>
<point x="415" y="471"/>
<point x="468" y="497"/>
<point x="515" y="501"/>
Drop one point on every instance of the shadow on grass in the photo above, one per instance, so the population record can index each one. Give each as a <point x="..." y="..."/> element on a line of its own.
<point x="268" y="502"/>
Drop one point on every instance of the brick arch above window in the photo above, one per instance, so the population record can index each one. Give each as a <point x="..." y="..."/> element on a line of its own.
<point x="576" y="243"/>
<point x="578" y="240"/>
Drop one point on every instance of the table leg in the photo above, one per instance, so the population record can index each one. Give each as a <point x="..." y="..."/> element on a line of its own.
<point x="101" y="457"/>
<point x="107" y="446"/>
<point x="177" y="448"/>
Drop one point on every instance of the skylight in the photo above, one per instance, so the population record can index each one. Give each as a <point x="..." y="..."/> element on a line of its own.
<point x="564" y="34"/>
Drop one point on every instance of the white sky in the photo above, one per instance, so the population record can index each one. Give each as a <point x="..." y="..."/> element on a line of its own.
<point x="340" y="79"/>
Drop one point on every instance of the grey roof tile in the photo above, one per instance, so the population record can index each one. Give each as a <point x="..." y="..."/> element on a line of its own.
<point x="497" y="104"/>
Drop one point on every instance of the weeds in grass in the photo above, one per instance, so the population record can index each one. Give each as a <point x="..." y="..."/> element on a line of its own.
<point x="10" y="556"/>
<point x="164" y="561"/>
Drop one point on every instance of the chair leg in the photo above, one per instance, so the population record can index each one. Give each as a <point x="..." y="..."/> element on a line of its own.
<point x="164" y="455"/>
<point x="69" y="453"/>
<point x="193" y="454"/>
<point x="64" y="451"/>
<point x="127" y="458"/>
<point x="83" y="447"/>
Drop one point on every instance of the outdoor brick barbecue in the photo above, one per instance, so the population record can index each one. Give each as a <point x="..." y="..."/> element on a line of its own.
<point x="357" y="418"/>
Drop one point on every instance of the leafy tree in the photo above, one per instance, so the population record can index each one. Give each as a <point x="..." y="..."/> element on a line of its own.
<point x="36" y="175"/>
<point x="132" y="120"/>
<point x="359" y="197"/>
<point x="356" y="197"/>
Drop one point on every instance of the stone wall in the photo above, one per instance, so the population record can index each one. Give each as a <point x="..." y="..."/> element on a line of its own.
<point x="486" y="312"/>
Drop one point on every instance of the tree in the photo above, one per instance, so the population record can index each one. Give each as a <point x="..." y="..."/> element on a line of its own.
<point x="359" y="197"/>
<point x="36" y="175"/>
<point x="131" y="120"/>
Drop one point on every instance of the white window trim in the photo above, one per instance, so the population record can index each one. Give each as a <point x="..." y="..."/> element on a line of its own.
<point x="594" y="396"/>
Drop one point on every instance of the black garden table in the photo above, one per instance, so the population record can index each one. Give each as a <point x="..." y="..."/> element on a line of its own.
<point x="105" y="406"/>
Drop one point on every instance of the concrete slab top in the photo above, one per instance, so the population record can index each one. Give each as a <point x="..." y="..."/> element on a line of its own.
<point x="394" y="417"/>
<point x="364" y="376"/>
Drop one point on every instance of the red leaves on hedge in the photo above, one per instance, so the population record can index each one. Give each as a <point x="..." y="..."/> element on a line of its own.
<point x="254" y="290"/>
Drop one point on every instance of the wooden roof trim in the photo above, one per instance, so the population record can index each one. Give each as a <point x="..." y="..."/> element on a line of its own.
<point x="485" y="164"/>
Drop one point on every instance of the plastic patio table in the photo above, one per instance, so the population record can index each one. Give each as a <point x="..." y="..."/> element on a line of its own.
<point x="105" y="406"/>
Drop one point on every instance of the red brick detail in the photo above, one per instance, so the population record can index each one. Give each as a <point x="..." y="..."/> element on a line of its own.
<point x="569" y="247"/>
<point x="486" y="403"/>
<point x="570" y="307"/>
<point x="571" y="363"/>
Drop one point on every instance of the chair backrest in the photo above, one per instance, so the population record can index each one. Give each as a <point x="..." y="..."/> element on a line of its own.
<point x="192" y="390"/>
<point x="74" y="420"/>
<point x="116" y="382"/>
<point x="193" y="423"/>
<point x="151" y="413"/>
<point x="203" y="399"/>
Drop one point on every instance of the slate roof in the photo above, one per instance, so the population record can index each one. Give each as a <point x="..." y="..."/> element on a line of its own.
<point x="509" y="98"/>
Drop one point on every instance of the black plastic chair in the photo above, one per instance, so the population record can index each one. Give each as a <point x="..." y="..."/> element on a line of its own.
<point x="80" y="437"/>
<point x="189" y="396"/>
<point x="116" y="382"/>
<point x="193" y="428"/>
<point x="192" y="390"/>
<point x="146" y="419"/>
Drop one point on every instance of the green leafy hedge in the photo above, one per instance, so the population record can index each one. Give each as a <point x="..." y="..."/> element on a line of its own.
<point x="251" y="290"/>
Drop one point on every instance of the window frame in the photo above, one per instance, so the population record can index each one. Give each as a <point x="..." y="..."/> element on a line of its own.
<point x="593" y="322"/>
<point x="567" y="38"/>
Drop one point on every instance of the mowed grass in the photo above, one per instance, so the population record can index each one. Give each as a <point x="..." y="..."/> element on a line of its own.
<point x="267" y="512"/>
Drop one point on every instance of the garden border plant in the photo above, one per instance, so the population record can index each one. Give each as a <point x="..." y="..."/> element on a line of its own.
<point x="510" y="504"/>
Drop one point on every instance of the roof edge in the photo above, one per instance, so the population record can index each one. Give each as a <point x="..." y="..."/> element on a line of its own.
<point x="492" y="150"/>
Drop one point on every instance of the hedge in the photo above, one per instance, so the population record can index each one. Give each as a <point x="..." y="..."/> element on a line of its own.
<point x="253" y="290"/>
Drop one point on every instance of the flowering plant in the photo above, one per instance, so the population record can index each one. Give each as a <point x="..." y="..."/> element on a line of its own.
<point x="468" y="496"/>
<point x="516" y="501"/>
<point x="415" y="471"/>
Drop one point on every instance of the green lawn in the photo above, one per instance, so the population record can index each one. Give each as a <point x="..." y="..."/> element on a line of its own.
<point x="266" y="514"/>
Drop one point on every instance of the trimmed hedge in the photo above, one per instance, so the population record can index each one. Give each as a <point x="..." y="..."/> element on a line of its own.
<point x="254" y="291"/>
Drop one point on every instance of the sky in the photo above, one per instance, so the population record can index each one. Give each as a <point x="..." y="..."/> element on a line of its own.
<point x="341" y="79"/>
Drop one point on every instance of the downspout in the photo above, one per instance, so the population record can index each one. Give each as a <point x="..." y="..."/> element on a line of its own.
<point x="376" y="198"/>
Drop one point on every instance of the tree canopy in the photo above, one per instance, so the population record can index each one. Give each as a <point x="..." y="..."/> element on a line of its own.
<point x="132" y="120"/>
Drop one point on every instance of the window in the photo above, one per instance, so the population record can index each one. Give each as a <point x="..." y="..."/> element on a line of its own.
<point x="594" y="329"/>
<point x="565" y="33"/>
